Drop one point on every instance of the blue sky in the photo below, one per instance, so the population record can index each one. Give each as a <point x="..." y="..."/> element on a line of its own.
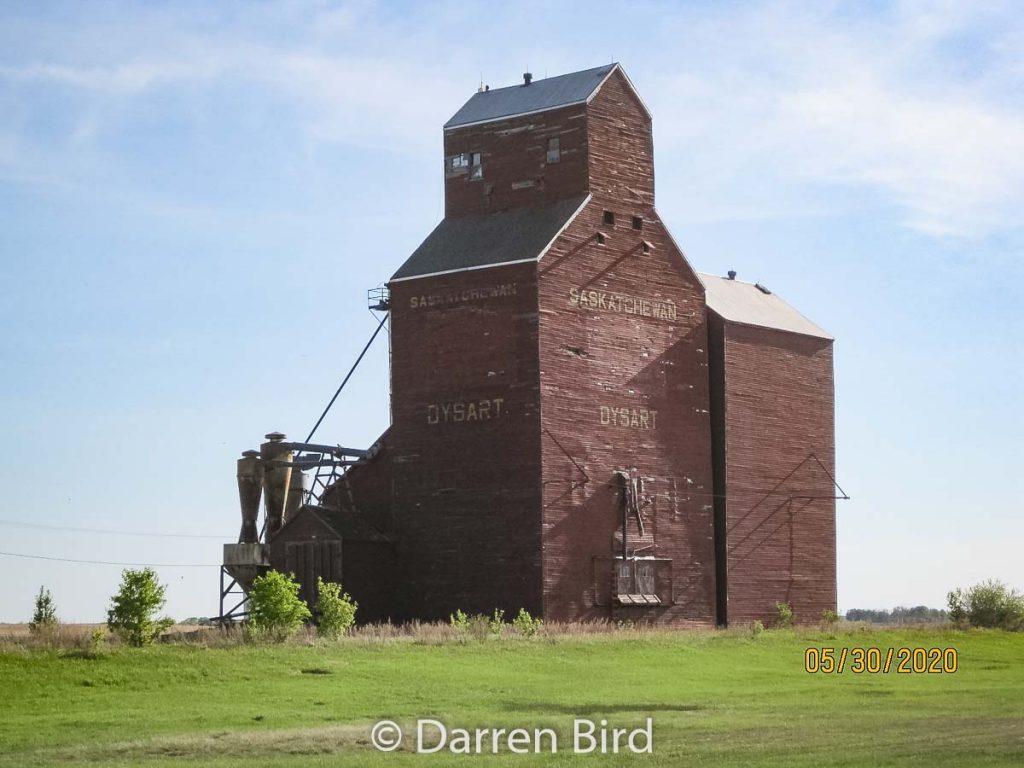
<point x="194" y="198"/>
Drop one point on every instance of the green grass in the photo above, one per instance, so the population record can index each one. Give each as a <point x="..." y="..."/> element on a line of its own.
<point x="717" y="698"/>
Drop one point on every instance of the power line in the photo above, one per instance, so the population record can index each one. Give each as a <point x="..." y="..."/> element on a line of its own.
<point x="115" y="532"/>
<point x="109" y="562"/>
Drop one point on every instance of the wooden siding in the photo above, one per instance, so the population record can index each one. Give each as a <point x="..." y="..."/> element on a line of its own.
<point x="515" y="168"/>
<point x="519" y="391"/>
<point x="624" y="331"/>
<point x="621" y="145"/>
<point x="777" y="410"/>
<point x="466" y="441"/>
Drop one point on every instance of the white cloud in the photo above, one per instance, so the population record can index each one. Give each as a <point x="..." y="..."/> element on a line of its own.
<point x="917" y="108"/>
<point x="769" y="108"/>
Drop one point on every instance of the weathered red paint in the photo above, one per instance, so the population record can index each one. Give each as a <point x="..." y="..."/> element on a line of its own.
<point x="513" y="410"/>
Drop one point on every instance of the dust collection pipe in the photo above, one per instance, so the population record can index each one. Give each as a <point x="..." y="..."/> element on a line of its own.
<point x="250" y="490"/>
<point x="277" y="475"/>
<point x="295" y="493"/>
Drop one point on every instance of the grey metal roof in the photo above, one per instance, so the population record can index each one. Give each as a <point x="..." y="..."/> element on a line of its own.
<point x="745" y="303"/>
<point x="551" y="92"/>
<point x="473" y="242"/>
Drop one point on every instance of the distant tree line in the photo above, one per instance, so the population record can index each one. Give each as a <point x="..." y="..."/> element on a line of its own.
<point x="898" y="615"/>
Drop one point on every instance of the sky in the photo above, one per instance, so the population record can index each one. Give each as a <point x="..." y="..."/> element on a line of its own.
<point x="195" y="197"/>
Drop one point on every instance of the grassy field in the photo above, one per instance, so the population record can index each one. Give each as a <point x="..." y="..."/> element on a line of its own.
<point x="716" y="698"/>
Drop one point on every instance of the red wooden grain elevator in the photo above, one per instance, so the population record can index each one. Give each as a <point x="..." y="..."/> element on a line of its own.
<point x="582" y="425"/>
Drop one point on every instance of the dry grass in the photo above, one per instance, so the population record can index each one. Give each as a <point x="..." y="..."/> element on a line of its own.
<point x="78" y="639"/>
<point x="238" y="745"/>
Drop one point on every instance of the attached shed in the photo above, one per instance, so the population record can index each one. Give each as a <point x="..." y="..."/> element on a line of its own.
<point x="773" y="445"/>
<point x="342" y="547"/>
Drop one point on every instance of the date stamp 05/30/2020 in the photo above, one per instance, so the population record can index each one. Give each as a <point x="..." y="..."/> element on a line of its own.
<point x="873" y="661"/>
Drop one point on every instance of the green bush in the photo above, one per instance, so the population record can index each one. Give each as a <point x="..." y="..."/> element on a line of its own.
<point x="459" y="621"/>
<point x="44" y="618"/>
<point x="527" y="625"/>
<point x="988" y="604"/>
<point x="496" y="623"/>
<point x="132" y="614"/>
<point x="783" y="615"/>
<point x="756" y="628"/>
<point x="829" y="617"/>
<point x="275" y="609"/>
<point x="337" y="611"/>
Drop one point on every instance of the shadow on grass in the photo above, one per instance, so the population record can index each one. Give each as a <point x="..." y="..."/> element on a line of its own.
<point x="639" y="708"/>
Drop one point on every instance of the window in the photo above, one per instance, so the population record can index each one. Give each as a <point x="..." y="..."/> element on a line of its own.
<point x="645" y="248"/>
<point x="601" y="238"/>
<point x="456" y="165"/>
<point x="638" y="222"/>
<point x="554" y="150"/>
<point x="609" y="218"/>
<point x="464" y="163"/>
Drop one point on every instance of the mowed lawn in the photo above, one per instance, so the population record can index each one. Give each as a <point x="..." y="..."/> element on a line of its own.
<point x="717" y="698"/>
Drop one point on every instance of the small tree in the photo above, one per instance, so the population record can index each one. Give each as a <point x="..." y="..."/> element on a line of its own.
<point x="44" y="618"/>
<point x="459" y="622"/>
<point x="132" y="614"/>
<point x="336" y="609"/>
<point x="497" y="622"/>
<point x="988" y="604"/>
<point x="527" y="625"/>
<point x="275" y="608"/>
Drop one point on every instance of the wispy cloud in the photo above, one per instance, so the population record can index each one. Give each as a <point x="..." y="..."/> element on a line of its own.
<point x="918" y="106"/>
<point x="765" y="106"/>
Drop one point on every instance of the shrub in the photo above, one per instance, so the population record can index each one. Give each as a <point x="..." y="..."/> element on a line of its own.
<point x="829" y="617"/>
<point x="132" y="614"/>
<point x="988" y="604"/>
<point x="756" y="628"/>
<point x="527" y="625"/>
<point x="336" y="609"/>
<point x="496" y="623"/>
<point x="459" y="621"/>
<point x="44" y="618"/>
<point x="783" y="615"/>
<point x="275" y="609"/>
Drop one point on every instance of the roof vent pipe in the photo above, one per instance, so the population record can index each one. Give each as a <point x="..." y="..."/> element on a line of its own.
<point x="732" y="274"/>
<point x="527" y="77"/>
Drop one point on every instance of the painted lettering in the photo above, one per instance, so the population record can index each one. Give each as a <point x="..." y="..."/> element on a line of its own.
<point x="463" y="296"/>
<point x="460" y="411"/>
<point x="626" y="416"/>
<point x="625" y="304"/>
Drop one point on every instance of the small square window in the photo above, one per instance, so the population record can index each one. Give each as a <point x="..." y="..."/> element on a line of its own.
<point x="554" y="150"/>
<point x="609" y="218"/>
<point x="645" y="248"/>
<point x="601" y="238"/>
<point x="638" y="222"/>
<point x="456" y="165"/>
